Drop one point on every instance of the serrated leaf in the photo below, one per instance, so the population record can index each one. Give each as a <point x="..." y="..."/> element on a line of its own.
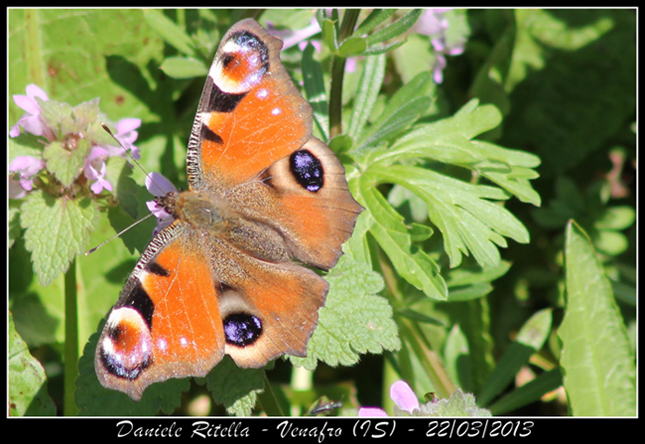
<point x="449" y="140"/>
<point x="66" y="163"/>
<point x="235" y="388"/>
<point x="54" y="113"/>
<point x="56" y="231"/>
<point x="27" y="380"/>
<point x="387" y="227"/>
<point x="84" y="114"/>
<point x="598" y="365"/>
<point x="468" y="221"/>
<point x="459" y="404"/>
<point x="353" y="321"/>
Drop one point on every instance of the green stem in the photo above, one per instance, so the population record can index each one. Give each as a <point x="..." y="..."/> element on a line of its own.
<point x="269" y="401"/>
<point x="71" y="353"/>
<point x="337" y="74"/>
<point x="429" y="360"/>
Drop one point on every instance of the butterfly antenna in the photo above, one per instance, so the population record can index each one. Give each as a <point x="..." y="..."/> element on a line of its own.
<point x="106" y="128"/>
<point x="92" y="250"/>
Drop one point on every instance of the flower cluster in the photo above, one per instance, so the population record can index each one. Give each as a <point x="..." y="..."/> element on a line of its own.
<point x="23" y="169"/>
<point x="433" y="23"/>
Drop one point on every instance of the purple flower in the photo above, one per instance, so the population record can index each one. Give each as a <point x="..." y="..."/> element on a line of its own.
<point x="291" y="38"/>
<point x="434" y="24"/>
<point x="159" y="186"/>
<point x="126" y="135"/>
<point x="26" y="168"/>
<point x="31" y="121"/>
<point x="95" y="168"/>
<point x="403" y="397"/>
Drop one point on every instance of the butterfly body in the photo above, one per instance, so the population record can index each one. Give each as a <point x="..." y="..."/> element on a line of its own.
<point x="226" y="276"/>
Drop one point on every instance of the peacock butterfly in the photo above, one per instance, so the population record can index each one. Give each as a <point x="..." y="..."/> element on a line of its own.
<point x="227" y="276"/>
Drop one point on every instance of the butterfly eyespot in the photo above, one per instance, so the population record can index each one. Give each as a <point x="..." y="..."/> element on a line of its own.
<point x="126" y="349"/>
<point x="242" y="329"/>
<point x="307" y="170"/>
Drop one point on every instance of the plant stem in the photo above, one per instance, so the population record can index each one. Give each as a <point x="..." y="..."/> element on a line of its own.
<point x="71" y="340"/>
<point x="337" y="74"/>
<point x="269" y="401"/>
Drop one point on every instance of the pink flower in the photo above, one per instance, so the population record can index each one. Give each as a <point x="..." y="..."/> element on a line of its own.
<point x="403" y="397"/>
<point x="291" y="38"/>
<point x="26" y="168"/>
<point x="159" y="186"/>
<point x="126" y="135"/>
<point x="95" y="168"/>
<point x="31" y="121"/>
<point x="434" y="24"/>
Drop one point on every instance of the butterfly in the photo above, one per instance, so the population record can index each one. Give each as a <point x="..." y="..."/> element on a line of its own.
<point x="228" y="275"/>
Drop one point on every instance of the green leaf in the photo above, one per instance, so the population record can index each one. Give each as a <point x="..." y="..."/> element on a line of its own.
<point x="66" y="163"/>
<point x="528" y="393"/>
<point x="449" y="141"/>
<point x="369" y="88"/>
<point x="530" y="340"/>
<point x="314" y="84"/>
<point x="84" y="114"/>
<point x="169" y="31"/>
<point x="557" y="79"/>
<point x="597" y="361"/>
<point x="118" y="172"/>
<point x="27" y="380"/>
<point x="403" y="109"/>
<point x="382" y="49"/>
<point x="183" y="67"/>
<point x="395" y="29"/>
<point x="458" y="405"/>
<point x="330" y="38"/>
<point x="387" y="227"/>
<point x="237" y="389"/>
<point x="375" y="18"/>
<point x="465" y="284"/>
<point x="57" y="230"/>
<point x="352" y="46"/>
<point x="354" y="319"/>
<point x="468" y="221"/>
<point x="55" y="114"/>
